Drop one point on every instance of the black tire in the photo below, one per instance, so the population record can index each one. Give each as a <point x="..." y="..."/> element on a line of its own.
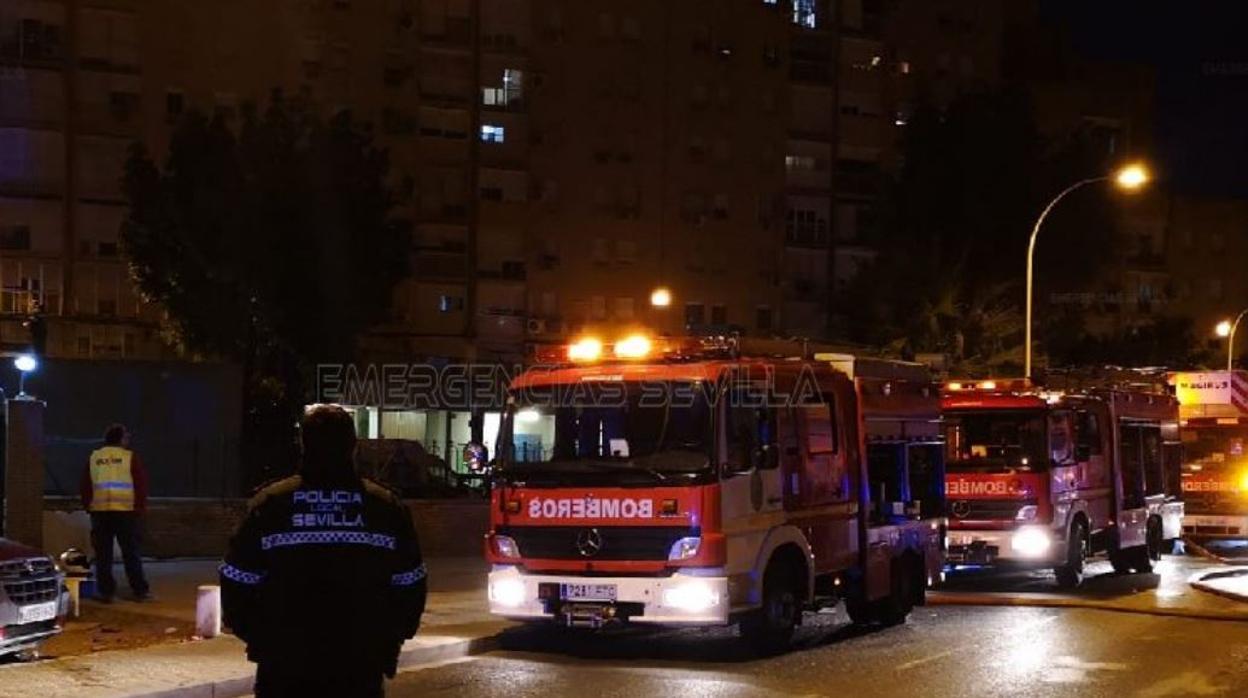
<point x="769" y="630"/>
<point x="894" y="609"/>
<point x="1070" y="575"/>
<point x="861" y="611"/>
<point x="1154" y="543"/>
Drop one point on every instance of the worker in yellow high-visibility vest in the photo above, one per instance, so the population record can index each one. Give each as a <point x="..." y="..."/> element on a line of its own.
<point x="114" y="490"/>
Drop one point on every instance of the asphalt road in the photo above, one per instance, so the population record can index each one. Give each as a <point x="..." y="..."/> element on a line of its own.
<point x="941" y="651"/>
<point x="954" y="651"/>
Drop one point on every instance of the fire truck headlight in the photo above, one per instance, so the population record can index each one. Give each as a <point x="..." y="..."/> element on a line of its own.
<point x="693" y="596"/>
<point x="1031" y="541"/>
<point x="685" y="548"/>
<point x="507" y="592"/>
<point x="506" y="547"/>
<point x="1027" y="513"/>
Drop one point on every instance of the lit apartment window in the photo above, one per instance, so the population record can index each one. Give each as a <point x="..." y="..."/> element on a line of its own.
<point x="491" y="133"/>
<point x="450" y="304"/>
<point x="799" y="163"/>
<point x="804" y="13"/>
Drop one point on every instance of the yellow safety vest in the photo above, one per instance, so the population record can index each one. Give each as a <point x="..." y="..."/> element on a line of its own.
<point x="112" y="486"/>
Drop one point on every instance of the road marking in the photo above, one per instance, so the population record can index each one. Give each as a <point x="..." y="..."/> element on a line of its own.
<point x="1029" y="625"/>
<point x="920" y="662"/>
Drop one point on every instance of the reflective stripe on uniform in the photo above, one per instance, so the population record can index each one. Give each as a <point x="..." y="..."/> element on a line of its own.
<point x="376" y="540"/>
<point x="234" y="574"/>
<point x="406" y="579"/>
<point x="112" y="483"/>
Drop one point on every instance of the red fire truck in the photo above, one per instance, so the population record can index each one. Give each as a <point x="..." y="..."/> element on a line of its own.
<point x="1213" y="412"/>
<point x="1046" y="478"/>
<point x="705" y="482"/>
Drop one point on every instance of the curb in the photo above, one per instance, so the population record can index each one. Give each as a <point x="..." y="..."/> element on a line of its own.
<point x="237" y="686"/>
<point x="950" y="599"/>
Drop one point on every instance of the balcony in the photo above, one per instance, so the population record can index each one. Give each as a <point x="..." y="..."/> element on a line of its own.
<point x="438" y="265"/>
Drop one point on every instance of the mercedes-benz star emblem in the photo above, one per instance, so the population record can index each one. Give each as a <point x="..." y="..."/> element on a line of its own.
<point x="589" y="542"/>
<point x="961" y="509"/>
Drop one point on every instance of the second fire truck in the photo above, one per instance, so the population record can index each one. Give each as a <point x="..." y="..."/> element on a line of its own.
<point x="702" y="482"/>
<point x="1213" y="408"/>
<point x="1046" y="478"/>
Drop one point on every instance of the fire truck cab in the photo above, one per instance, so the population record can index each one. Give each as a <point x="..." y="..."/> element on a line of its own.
<point x="692" y="483"/>
<point x="1047" y="478"/>
<point x="1213" y="414"/>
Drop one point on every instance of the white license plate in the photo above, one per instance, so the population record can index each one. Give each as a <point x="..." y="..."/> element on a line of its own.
<point x="36" y="613"/>
<point x="587" y="592"/>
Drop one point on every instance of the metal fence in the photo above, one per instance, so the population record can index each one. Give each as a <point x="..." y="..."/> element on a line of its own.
<point x="176" y="467"/>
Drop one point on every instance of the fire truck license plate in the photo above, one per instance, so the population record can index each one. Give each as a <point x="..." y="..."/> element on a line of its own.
<point x="37" y="612"/>
<point x="587" y="592"/>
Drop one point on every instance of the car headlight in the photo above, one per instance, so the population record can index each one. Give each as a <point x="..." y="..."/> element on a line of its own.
<point x="1031" y="541"/>
<point x="685" y="548"/>
<point x="693" y="596"/>
<point x="506" y="547"/>
<point x="1027" y="513"/>
<point x="507" y="592"/>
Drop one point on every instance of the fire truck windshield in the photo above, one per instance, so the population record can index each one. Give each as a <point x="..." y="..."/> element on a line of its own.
<point x="995" y="441"/>
<point x="614" y="431"/>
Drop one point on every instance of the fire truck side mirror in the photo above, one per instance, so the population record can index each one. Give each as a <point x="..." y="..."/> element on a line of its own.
<point x="476" y="457"/>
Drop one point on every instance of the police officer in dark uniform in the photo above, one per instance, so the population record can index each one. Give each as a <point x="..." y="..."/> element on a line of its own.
<point x="324" y="578"/>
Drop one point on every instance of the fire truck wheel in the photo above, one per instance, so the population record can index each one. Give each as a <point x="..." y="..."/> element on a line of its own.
<point x="769" y="629"/>
<point x="1070" y="575"/>
<point x="1155" y="543"/>
<point x="900" y="601"/>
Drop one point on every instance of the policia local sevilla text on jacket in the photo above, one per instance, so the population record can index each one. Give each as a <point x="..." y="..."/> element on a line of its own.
<point x="324" y="575"/>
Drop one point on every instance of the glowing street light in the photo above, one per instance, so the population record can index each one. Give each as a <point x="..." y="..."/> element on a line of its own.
<point x="24" y="363"/>
<point x="1226" y="329"/>
<point x="1128" y="178"/>
<point x="1131" y="177"/>
<point x="661" y="297"/>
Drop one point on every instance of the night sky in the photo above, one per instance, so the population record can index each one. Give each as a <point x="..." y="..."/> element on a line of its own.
<point x="1200" y="53"/>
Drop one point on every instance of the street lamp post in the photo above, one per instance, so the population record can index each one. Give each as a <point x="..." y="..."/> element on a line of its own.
<point x="1226" y="328"/>
<point x="1128" y="178"/>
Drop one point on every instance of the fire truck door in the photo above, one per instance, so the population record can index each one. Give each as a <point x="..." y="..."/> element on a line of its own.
<point x="816" y="483"/>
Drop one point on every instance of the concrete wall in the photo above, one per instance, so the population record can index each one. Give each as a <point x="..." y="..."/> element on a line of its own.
<point x="202" y="528"/>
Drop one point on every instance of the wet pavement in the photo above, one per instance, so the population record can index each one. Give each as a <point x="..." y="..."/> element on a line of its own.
<point x="944" y="650"/>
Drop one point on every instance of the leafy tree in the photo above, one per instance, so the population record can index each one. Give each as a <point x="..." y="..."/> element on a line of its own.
<point x="273" y="245"/>
<point x="954" y="230"/>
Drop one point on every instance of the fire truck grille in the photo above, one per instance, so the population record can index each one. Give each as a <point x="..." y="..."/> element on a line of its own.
<point x="987" y="509"/>
<point x="622" y="543"/>
<point x="29" y="581"/>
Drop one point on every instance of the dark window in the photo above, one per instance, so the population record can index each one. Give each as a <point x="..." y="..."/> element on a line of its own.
<point x="762" y="318"/>
<point x="107" y="307"/>
<point x="751" y="429"/>
<point x="1087" y="435"/>
<point x="1132" y="466"/>
<point x="719" y="315"/>
<point x="695" y="314"/>
<point x="15" y="237"/>
<point x="108" y="249"/>
<point x="1154" y="471"/>
<point x="175" y="104"/>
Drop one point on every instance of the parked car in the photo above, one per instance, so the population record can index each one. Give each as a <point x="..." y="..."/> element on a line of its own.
<point x="32" y="598"/>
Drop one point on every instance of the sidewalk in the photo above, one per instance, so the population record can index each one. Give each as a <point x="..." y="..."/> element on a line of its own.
<point x="1228" y="582"/>
<point x="455" y="624"/>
